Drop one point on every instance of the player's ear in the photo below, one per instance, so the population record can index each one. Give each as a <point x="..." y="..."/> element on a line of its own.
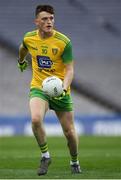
<point x="36" y="21"/>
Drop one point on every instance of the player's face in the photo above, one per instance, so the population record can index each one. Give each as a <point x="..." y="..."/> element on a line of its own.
<point x="45" y="22"/>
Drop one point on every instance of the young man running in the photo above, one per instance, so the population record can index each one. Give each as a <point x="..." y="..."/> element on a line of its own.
<point x="51" y="53"/>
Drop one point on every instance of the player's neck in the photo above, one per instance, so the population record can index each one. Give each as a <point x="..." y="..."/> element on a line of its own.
<point x="44" y="35"/>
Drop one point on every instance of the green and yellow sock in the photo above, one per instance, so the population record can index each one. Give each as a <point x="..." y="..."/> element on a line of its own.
<point x="44" y="147"/>
<point x="44" y="150"/>
<point x="74" y="159"/>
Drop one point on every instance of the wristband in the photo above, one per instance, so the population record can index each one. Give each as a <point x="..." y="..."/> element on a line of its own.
<point x="21" y="63"/>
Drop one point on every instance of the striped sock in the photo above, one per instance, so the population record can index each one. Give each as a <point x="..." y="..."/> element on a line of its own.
<point x="44" y="150"/>
<point x="74" y="159"/>
<point x="44" y="147"/>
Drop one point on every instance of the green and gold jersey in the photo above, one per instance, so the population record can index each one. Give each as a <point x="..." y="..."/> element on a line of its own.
<point x="49" y="55"/>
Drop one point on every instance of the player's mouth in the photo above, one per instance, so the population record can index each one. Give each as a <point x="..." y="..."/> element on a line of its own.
<point x="49" y="26"/>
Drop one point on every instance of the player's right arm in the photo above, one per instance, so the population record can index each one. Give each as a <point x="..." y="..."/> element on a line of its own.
<point x="22" y="63"/>
<point x="22" y="53"/>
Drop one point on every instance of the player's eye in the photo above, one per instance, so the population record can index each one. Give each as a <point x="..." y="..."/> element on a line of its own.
<point x="51" y="18"/>
<point x="47" y="18"/>
<point x="44" y="19"/>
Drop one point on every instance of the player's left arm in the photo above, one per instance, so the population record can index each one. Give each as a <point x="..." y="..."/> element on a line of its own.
<point x="69" y="73"/>
<point x="69" y="68"/>
<point x="69" y="65"/>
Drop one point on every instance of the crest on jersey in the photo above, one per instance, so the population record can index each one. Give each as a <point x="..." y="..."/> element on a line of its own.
<point x="54" y="51"/>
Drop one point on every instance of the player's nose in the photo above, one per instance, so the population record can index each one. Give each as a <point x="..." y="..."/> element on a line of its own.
<point x="49" y="21"/>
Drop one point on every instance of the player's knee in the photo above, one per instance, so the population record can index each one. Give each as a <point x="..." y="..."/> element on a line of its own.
<point x="36" y="121"/>
<point x="69" y="133"/>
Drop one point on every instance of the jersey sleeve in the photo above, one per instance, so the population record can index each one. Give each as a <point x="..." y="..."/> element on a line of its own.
<point x="67" y="55"/>
<point x="24" y="43"/>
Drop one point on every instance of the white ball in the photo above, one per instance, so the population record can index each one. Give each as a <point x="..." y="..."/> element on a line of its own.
<point x="52" y="86"/>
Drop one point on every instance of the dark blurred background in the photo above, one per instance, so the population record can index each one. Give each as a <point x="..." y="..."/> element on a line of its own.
<point x="95" y="30"/>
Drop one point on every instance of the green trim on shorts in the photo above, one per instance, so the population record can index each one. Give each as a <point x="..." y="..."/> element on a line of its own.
<point x="64" y="104"/>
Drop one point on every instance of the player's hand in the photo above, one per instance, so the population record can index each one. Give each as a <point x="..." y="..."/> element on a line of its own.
<point x="22" y="66"/>
<point x="62" y="95"/>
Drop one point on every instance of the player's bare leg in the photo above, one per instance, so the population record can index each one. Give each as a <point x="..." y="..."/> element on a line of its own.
<point x="66" y="120"/>
<point x="38" y="108"/>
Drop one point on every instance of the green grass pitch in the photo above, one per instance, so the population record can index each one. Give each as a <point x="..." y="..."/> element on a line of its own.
<point x="100" y="158"/>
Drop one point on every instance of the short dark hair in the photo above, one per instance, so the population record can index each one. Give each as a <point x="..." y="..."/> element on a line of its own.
<point x="46" y="8"/>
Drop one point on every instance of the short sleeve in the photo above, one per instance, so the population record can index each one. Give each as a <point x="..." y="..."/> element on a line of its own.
<point x="24" y="44"/>
<point x="67" y="55"/>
